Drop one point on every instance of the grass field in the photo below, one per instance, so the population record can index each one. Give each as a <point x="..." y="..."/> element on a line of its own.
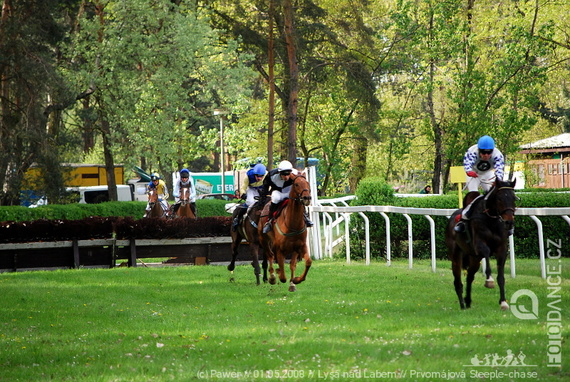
<point x="345" y="323"/>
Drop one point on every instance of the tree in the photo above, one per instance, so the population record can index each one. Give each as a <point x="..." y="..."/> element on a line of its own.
<point x="158" y="71"/>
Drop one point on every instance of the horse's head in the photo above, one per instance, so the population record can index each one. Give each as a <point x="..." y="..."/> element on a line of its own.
<point x="152" y="196"/>
<point x="184" y="195"/>
<point x="502" y="202"/>
<point x="300" y="190"/>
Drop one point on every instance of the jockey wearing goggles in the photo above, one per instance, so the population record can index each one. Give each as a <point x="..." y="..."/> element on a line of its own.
<point x="278" y="184"/>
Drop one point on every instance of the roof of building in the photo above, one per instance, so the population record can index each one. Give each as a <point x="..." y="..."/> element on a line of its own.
<point x="562" y="140"/>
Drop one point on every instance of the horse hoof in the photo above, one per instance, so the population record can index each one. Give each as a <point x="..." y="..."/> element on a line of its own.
<point x="272" y="280"/>
<point x="504" y="305"/>
<point x="232" y="279"/>
<point x="292" y="288"/>
<point x="489" y="284"/>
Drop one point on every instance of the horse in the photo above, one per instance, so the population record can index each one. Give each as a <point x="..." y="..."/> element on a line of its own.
<point x="289" y="234"/>
<point x="185" y="208"/>
<point x="156" y="210"/>
<point x="248" y="230"/>
<point x="487" y="230"/>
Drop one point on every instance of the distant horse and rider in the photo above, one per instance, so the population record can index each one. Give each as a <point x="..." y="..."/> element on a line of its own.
<point x="486" y="232"/>
<point x="156" y="209"/>
<point x="185" y="208"/>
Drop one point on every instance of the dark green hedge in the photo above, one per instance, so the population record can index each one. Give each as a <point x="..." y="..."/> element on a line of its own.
<point x="375" y="191"/>
<point x="205" y="207"/>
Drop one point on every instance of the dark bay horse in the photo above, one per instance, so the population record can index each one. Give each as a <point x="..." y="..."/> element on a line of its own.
<point x="185" y="208"/>
<point x="491" y="216"/>
<point x="248" y="230"/>
<point x="288" y="236"/>
<point x="156" y="210"/>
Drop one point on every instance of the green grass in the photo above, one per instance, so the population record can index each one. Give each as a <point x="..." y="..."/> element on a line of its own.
<point x="346" y="322"/>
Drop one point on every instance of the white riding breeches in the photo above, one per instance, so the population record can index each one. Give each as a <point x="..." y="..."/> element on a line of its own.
<point x="278" y="196"/>
<point x="484" y="180"/>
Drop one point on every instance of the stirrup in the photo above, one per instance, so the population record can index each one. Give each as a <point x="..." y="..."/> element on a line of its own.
<point x="267" y="227"/>
<point x="308" y="223"/>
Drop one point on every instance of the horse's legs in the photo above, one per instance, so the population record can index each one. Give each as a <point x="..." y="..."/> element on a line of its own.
<point x="281" y="263"/>
<point x="292" y="267"/>
<point x="272" y="279"/>
<point x="501" y="258"/>
<point x="474" y="266"/>
<point x="308" y="262"/>
<point x="489" y="282"/>
<point x="264" y="265"/>
<point x="456" y="268"/>
<point x="236" y="240"/>
<point x="255" y="263"/>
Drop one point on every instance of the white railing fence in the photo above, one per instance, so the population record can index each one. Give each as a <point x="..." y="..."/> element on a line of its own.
<point x="329" y="214"/>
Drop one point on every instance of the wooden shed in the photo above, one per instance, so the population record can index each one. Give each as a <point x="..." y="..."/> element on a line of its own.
<point x="549" y="160"/>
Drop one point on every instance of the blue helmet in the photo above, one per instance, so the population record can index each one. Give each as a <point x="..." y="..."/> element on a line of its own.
<point x="259" y="169"/>
<point x="155" y="176"/>
<point x="184" y="173"/>
<point x="486" y="143"/>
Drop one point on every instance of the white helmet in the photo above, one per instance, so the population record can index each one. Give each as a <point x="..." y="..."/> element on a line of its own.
<point x="285" y="166"/>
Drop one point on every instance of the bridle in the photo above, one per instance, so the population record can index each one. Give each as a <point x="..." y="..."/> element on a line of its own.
<point x="499" y="215"/>
<point x="300" y="198"/>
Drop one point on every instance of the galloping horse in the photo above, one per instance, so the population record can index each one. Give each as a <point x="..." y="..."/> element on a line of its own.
<point x="247" y="230"/>
<point x="486" y="234"/>
<point x="289" y="234"/>
<point x="185" y="209"/>
<point x="156" y="210"/>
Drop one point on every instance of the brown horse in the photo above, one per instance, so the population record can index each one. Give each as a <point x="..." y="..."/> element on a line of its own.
<point x="289" y="234"/>
<point x="185" y="208"/>
<point x="247" y="230"/>
<point x="487" y="230"/>
<point x="156" y="210"/>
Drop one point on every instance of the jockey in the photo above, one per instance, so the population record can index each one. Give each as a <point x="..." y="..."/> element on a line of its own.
<point x="483" y="163"/>
<point x="185" y="181"/>
<point x="156" y="183"/>
<point x="278" y="182"/>
<point x="252" y="186"/>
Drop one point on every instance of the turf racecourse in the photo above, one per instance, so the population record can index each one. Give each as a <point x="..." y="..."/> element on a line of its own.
<point x="347" y="322"/>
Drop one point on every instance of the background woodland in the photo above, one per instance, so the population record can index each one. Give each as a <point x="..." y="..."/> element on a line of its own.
<point x="396" y="89"/>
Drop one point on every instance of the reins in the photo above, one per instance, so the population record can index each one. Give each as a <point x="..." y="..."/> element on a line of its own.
<point x="298" y="199"/>
<point x="486" y="198"/>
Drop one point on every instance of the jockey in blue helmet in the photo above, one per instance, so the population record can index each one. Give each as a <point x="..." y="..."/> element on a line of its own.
<point x="249" y="190"/>
<point x="184" y="181"/>
<point x="483" y="163"/>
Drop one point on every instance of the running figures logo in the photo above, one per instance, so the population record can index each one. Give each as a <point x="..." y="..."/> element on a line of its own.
<point x="494" y="360"/>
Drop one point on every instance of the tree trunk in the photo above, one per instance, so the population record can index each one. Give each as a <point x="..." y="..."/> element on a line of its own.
<point x="271" y="64"/>
<point x="109" y="161"/>
<point x="293" y="82"/>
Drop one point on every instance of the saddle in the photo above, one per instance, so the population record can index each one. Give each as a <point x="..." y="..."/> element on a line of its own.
<point x="280" y="207"/>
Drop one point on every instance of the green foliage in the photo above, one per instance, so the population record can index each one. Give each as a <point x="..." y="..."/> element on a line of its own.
<point x="374" y="191"/>
<point x="205" y="207"/>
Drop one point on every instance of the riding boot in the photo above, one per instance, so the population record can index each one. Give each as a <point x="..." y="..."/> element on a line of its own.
<point x="237" y="219"/>
<point x="193" y="208"/>
<point x="308" y="221"/>
<point x="175" y="208"/>
<point x="461" y="224"/>
<point x="272" y="210"/>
